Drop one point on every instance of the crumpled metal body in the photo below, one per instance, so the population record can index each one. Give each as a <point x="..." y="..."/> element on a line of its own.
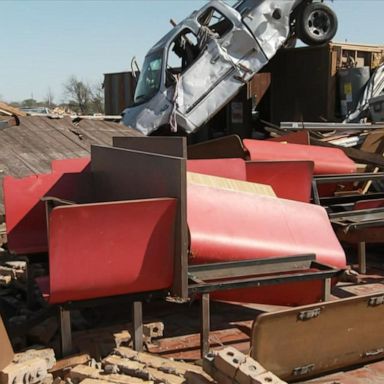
<point x="223" y="66"/>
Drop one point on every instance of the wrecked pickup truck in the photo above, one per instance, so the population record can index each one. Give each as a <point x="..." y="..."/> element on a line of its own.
<point x="200" y="65"/>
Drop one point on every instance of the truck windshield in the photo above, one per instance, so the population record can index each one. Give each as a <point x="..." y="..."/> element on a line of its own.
<point x="150" y="77"/>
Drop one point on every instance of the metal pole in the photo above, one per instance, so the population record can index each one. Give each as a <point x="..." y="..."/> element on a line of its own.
<point x="205" y="324"/>
<point x="327" y="289"/>
<point x="137" y="313"/>
<point x="65" y="331"/>
<point x="361" y="254"/>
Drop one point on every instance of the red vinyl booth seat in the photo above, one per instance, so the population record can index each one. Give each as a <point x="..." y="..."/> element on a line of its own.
<point x="289" y="179"/>
<point x="107" y="249"/>
<point x="326" y="160"/>
<point x="24" y="210"/>
<point x="230" y="225"/>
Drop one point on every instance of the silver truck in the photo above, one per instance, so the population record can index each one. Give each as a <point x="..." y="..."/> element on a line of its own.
<point x="201" y="64"/>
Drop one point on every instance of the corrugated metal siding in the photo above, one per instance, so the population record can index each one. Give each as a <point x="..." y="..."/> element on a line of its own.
<point x="30" y="147"/>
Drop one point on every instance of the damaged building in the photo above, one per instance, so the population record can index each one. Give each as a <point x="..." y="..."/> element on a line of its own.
<point x="223" y="222"/>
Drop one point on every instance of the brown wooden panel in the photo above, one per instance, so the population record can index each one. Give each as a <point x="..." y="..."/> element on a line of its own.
<point x="6" y="350"/>
<point x="222" y="148"/>
<point x="170" y="146"/>
<point x="121" y="174"/>
<point x="258" y="86"/>
<point x="305" y="341"/>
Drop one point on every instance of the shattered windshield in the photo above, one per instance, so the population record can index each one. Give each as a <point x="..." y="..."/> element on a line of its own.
<point x="150" y="77"/>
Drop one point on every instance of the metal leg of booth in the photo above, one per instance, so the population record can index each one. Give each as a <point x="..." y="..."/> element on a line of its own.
<point x="361" y="254"/>
<point x="327" y="289"/>
<point x="205" y="324"/>
<point x="65" y="331"/>
<point x="137" y="321"/>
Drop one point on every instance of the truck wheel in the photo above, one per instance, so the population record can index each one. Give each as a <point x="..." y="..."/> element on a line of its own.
<point x="317" y="24"/>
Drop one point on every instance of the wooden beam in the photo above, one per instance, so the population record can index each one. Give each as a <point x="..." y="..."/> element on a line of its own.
<point x="11" y="110"/>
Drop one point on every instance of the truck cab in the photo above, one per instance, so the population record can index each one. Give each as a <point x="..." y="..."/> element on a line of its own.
<point x="201" y="64"/>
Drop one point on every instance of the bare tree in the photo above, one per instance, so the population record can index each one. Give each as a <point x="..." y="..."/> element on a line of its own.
<point x="98" y="98"/>
<point x="79" y="95"/>
<point x="84" y="98"/>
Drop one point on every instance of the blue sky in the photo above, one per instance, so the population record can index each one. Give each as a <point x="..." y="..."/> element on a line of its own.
<point x="43" y="43"/>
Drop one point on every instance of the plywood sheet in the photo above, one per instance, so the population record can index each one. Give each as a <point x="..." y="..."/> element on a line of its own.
<point x="230" y="184"/>
<point x="295" y="345"/>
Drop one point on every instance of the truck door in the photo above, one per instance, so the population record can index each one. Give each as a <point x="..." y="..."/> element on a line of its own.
<point x="223" y="45"/>
<point x="269" y="22"/>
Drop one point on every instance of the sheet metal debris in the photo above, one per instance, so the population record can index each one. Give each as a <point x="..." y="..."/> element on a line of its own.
<point x="374" y="88"/>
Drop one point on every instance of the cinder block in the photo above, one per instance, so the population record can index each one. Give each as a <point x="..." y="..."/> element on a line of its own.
<point x="5" y="281"/>
<point x="228" y="361"/>
<point x="123" y="337"/>
<point x="47" y="354"/>
<point x="267" y="378"/>
<point x="249" y="371"/>
<point x="153" y="330"/>
<point x="27" y="372"/>
<point x="82" y="372"/>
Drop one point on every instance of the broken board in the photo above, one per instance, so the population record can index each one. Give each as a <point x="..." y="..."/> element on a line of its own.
<point x="306" y="341"/>
<point x="6" y="350"/>
<point x="230" y="184"/>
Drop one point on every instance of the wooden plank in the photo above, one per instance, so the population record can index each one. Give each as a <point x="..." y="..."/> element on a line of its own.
<point x="63" y="366"/>
<point x="222" y="148"/>
<point x="230" y="184"/>
<point x="12" y="110"/>
<point x="170" y="146"/>
<point x="188" y="347"/>
<point x="6" y="355"/>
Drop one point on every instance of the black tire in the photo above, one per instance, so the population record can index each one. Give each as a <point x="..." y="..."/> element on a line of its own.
<point x="316" y="24"/>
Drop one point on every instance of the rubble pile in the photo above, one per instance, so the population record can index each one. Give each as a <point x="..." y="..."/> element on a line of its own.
<point x="126" y="366"/>
<point x="12" y="272"/>
<point x="99" y="222"/>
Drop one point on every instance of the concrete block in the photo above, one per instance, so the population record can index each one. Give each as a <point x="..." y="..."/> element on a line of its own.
<point x="153" y="330"/>
<point x="267" y="378"/>
<point x="31" y="371"/>
<point x="249" y="371"/>
<point x="82" y="372"/>
<point x="47" y="354"/>
<point x="228" y="361"/>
